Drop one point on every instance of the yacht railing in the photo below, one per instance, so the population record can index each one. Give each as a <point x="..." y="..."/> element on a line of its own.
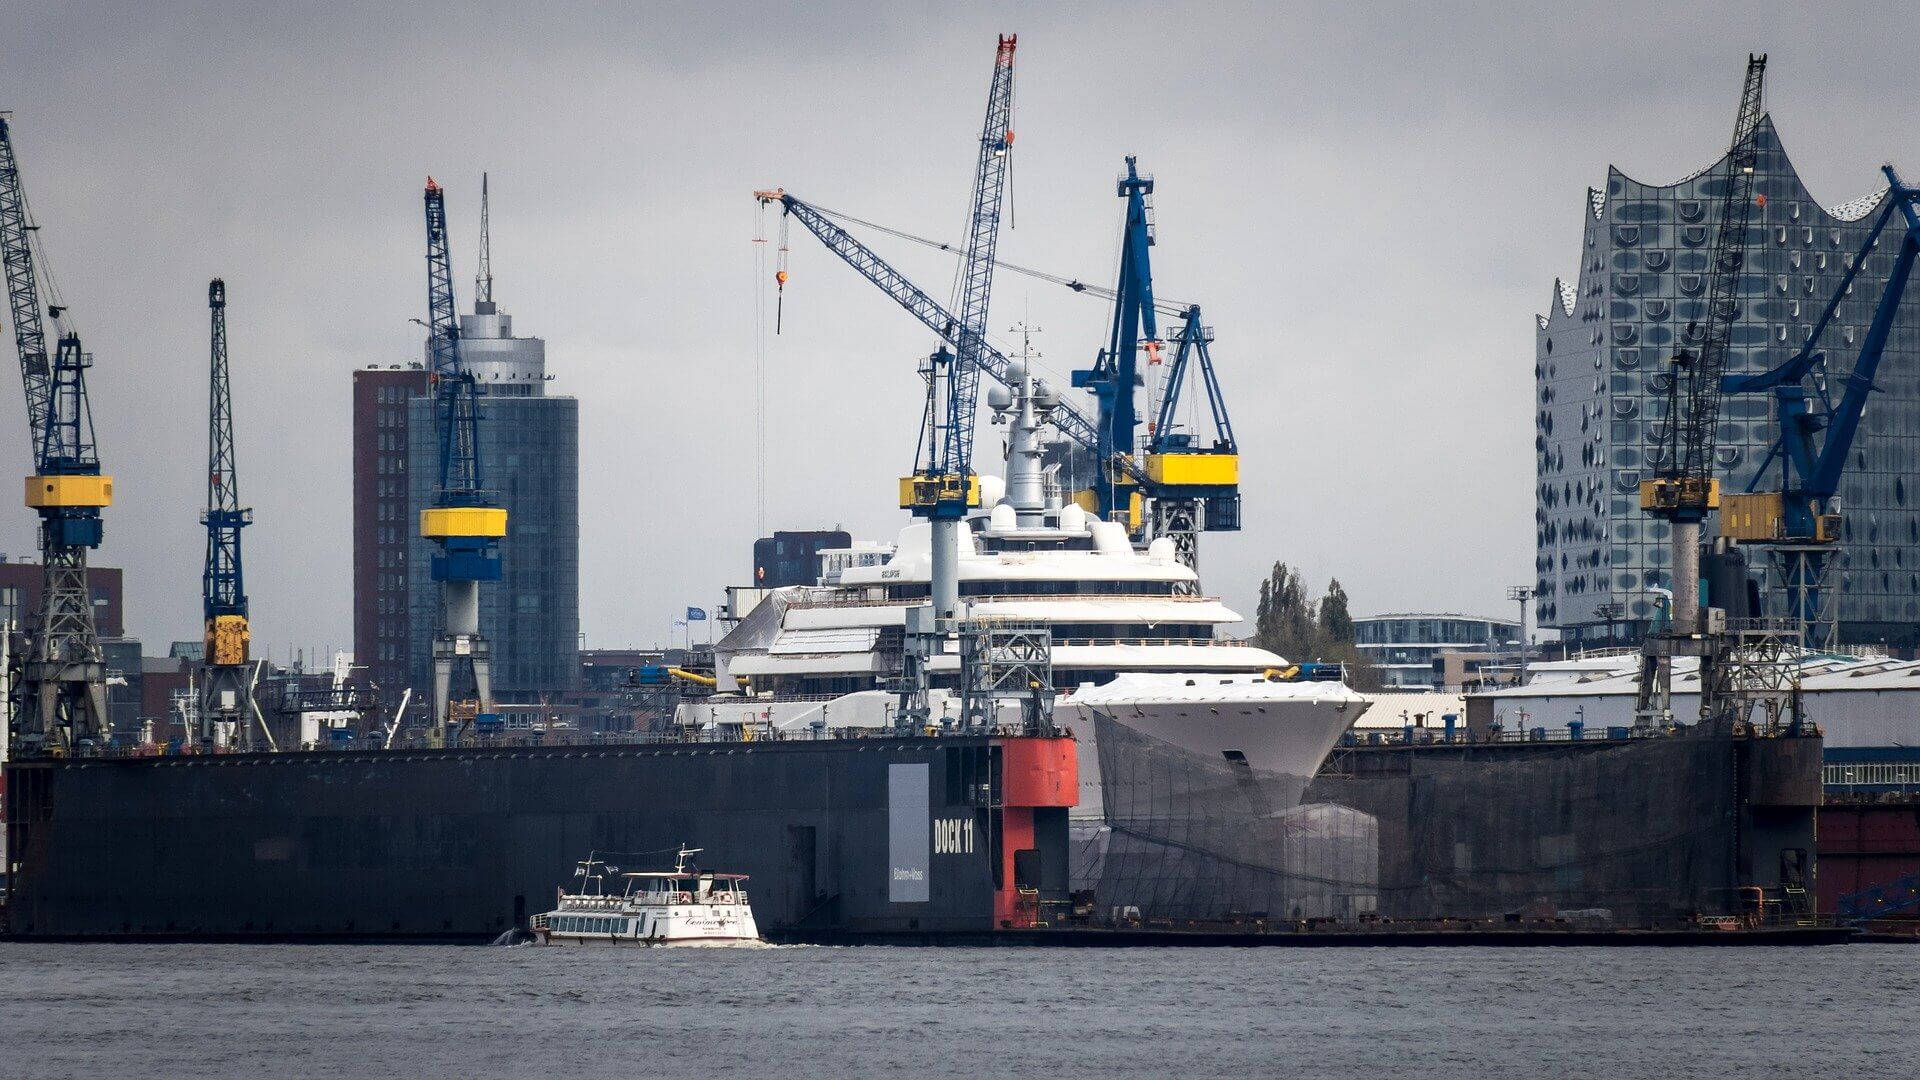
<point x="1206" y="643"/>
<point x="583" y="743"/>
<point x="998" y="598"/>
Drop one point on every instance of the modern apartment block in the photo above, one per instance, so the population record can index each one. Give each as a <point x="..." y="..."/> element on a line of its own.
<point x="384" y="523"/>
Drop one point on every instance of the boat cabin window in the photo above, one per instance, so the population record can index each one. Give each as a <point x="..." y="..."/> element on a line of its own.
<point x="1072" y="587"/>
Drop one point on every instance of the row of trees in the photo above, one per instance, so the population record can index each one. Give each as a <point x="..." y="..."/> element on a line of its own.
<point x="1294" y="624"/>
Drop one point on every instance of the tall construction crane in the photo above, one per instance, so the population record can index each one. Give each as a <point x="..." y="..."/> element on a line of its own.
<point x="1686" y="486"/>
<point x="1798" y="521"/>
<point x="60" y="695"/>
<point x="943" y="485"/>
<point x="226" y="700"/>
<point x="463" y="519"/>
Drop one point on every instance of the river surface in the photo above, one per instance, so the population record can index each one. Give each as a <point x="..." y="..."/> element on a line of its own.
<point x="201" y="1011"/>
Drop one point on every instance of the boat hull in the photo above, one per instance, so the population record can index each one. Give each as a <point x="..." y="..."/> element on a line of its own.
<point x="1276" y="737"/>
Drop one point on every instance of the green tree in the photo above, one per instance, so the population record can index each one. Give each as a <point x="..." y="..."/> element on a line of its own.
<point x="1336" y="622"/>
<point x="1284" y="622"/>
<point x="1290" y="622"/>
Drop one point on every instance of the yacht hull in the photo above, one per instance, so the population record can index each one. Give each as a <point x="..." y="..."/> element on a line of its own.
<point x="1286" y="734"/>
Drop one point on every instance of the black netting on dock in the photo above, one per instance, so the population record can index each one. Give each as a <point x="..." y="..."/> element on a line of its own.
<point x="1186" y="837"/>
<point x="1632" y="833"/>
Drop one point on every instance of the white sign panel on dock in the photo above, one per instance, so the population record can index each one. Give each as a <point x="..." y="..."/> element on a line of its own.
<point x="909" y="841"/>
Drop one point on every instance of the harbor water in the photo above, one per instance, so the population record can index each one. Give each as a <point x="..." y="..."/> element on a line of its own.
<point x="215" y="1011"/>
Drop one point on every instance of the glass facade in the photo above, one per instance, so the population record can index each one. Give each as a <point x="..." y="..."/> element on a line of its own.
<point x="1601" y="377"/>
<point x="529" y="454"/>
<point x="1405" y="647"/>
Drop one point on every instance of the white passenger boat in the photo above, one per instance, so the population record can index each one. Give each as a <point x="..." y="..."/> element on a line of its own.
<point x="1134" y="637"/>
<point x="682" y="906"/>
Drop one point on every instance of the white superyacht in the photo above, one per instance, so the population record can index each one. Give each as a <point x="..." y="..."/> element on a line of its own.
<point x="1133" y="635"/>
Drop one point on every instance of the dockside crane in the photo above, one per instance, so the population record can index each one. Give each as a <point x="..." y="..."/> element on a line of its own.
<point x="60" y="695"/>
<point x="463" y="519"/>
<point x="1798" y="521"/>
<point x="943" y="486"/>
<point x="227" y="709"/>
<point x="1188" y="483"/>
<point x="1685" y="488"/>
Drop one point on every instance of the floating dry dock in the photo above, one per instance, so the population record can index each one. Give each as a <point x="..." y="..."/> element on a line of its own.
<point x="958" y="834"/>
<point x="1681" y="839"/>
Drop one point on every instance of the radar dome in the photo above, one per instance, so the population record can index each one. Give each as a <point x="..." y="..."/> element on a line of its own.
<point x="999" y="398"/>
<point x="992" y="490"/>
<point x="1044" y="395"/>
<point x="1072" y="518"/>
<point x="1004" y="518"/>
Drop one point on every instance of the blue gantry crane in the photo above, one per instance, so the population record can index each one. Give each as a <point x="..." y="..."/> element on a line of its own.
<point x="226" y="700"/>
<point x="60" y="697"/>
<point x="463" y="519"/>
<point x="1190" y="482"/>
<point x="1798" y="520"/>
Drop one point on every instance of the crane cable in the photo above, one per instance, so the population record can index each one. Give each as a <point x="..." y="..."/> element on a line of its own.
<point x="1172" y="308"/>
<point x="760" y="372"/>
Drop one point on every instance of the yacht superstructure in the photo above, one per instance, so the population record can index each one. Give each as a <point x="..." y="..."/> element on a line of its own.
<point x="1133" y="635"/>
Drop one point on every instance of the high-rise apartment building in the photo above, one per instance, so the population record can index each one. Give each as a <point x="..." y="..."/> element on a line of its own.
<point x="1601" y="377"/>
<point x="384" y="523"/>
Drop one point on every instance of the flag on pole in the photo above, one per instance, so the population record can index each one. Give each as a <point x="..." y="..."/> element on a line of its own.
<point x="695" y="614"/>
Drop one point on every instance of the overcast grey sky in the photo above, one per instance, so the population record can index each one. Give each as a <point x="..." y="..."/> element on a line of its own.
<point x="1372" y="201"/>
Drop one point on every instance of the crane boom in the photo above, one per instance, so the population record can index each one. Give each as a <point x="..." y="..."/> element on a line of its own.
<point x="455" y="390"/>
<point x="23" y="286"/>
<point x="1070" y="422"/>
<point x="976" y="275"/>
<point x="1691" y="457"/>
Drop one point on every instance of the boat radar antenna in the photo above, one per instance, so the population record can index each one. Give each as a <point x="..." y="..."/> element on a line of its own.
<point x="1026" y="331"/>
<point x="593" y="870"/>
<point x="680" y="863"/>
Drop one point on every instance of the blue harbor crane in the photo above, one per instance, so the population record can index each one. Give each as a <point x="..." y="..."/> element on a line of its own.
<point x="1798" y="521"/>
<point x="226" y="699"/>
<point x="1685" y="487"/>
<point x="60" y="696"/>
<point x="1191" y="483"/>
<point x="463" y="519"/>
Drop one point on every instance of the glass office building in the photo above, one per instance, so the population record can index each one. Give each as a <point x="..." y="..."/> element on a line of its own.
<point x="1601" y="377"/>
<point x="1404" y="647"/>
